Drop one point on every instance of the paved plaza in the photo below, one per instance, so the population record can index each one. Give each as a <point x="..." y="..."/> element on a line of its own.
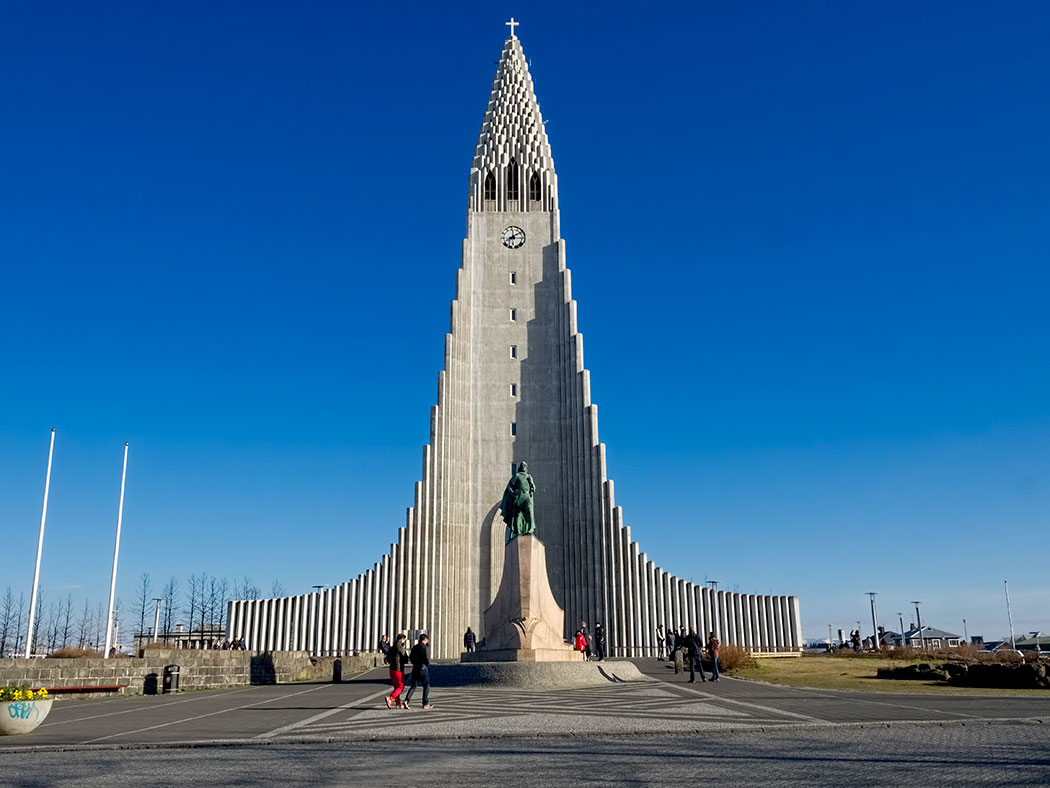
<point x="654" y="732"/>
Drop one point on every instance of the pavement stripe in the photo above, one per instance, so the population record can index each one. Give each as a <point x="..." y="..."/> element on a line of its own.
<point x="321" y="716"/>
<point x="203" y="716"/>
<point x="749" y="704"/>
<point x="139" y="709"/>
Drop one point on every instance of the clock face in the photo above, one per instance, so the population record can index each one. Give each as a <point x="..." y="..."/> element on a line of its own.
<point x="513" y="237"/>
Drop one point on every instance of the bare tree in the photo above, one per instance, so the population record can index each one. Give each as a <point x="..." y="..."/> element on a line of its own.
<point x="84" y="629"/>
<point x="34" y="641"/>
<point x="247" y="589"/>
<point x="7" y="614"/>
<point x="224" y="601"/>
<point x="118" y="608"/>
<point x="142" y="600"/>
<point x="171" y="598"/>
<point x="194" y="598"/>
<point x="18" y="623"/>
<point x="67" y="621"/>
<point x="277" y="589"/>
<point x="54" y="622"/>
<point x="100" y="627"/>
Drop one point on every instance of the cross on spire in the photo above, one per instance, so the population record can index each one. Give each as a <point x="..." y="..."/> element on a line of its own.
<point x="512" y="24"/>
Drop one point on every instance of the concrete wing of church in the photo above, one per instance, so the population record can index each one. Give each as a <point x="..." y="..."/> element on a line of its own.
<point x="513" y="389"/>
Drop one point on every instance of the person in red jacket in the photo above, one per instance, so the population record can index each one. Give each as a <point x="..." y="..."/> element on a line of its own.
<point x="580" y="642"/>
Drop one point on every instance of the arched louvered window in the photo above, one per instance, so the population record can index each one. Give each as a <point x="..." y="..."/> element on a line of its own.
<point x="512" y="180"/>
<point x="534" y="187"/>
<point x="490" y="186"/>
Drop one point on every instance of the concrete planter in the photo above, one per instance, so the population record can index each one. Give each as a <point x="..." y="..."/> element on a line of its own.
<point x="22" y="716"/>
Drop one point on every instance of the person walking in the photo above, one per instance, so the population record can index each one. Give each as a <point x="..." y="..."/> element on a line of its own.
<point x="469" y="640"/>
<point x="420" y="657"/>
<point x="660" y="642"/>
<point x="679" y="651"/>
<point x="712" y="649"/>
<point x="599" y="641"/>
<point x="694" y="649"/>
<point x="670" y="642"/>
<point x="397" y="658"/>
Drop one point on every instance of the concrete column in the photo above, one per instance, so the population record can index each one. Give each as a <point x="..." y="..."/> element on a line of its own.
<point x="644" y="626"/>
<point x="769" y="623"/>
<point x="344" y="618"/>
<point x="324" y="621"/>
<point x="254" y="624"/>
<point x="697" y="603"/>
<point x="281" y="643"/>
<point x="397" y="561"/>
<point x="676" y="603"/>
<point x="745" y="621"/>
<point x="796" y="623"/>
<point x="337" y="618"/>
<point x="654" y="596"/>
<point x="265" y="625"/>
<point x="298" y="627"/>
<point x="658" y="594"/>
<point x="636" y="606"/>
<point x="359" y="592"/>
<point x="381" y="601"/>
<point x="668" y="603"/>
<point x="785" y="624"/>
<point x="625" y="551"/>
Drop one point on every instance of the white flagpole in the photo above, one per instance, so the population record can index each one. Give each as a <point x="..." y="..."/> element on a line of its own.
<point x="39" y="548"/>
<point x="116" y="550"/>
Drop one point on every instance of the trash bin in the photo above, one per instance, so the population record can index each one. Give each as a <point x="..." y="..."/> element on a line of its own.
<point x="149" y="686"/>
<point x="171" y="678"/>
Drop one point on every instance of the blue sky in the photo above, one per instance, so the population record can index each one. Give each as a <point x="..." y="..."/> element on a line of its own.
<point x="808" y="243"/>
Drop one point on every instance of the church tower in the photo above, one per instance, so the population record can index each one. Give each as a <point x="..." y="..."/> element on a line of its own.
<point x="513" y="389"/>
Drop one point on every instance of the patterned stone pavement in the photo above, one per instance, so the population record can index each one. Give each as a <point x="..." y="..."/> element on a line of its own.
<point x="355" y="712"/>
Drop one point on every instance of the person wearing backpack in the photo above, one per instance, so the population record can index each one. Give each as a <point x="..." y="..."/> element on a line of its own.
<point x="397" y="658"/>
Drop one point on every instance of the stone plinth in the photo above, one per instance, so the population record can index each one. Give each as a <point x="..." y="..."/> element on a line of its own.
<point x="524" y="622"/>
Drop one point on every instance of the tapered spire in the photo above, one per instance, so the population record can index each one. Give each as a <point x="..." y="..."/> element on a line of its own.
<point x="513" y="131"/>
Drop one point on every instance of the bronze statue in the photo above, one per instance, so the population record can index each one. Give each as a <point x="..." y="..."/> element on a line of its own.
<point x="517" y="503"/>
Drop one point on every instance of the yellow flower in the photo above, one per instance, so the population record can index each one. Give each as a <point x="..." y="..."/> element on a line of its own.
<point x="42" y="693"/>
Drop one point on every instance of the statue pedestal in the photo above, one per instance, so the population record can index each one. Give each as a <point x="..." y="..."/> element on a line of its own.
<point x="524" y="622"/>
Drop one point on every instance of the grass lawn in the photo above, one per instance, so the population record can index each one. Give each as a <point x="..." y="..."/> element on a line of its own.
<point x="856" y="673"/>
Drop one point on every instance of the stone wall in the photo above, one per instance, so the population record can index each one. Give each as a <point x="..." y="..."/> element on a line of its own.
<point x="197" y="670"/>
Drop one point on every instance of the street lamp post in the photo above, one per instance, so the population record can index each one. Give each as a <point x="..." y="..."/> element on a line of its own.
<point x="918" y="623"/>
<point x="39" y="550"/>
<point x="1010" y="616"/>
<point x="156" y="617"/>
<point x="874" y="622"/>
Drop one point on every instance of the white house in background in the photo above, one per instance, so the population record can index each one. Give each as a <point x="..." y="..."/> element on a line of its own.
<point x="930" y="638"/>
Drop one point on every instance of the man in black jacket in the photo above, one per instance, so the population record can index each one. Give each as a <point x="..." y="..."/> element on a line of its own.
<point x="599" y="641"/>
<point x="420" y="658"/>
<point x="694" y="649"/>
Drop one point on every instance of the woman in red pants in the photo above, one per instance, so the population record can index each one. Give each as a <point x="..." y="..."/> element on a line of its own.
<point x="397" y="659"/>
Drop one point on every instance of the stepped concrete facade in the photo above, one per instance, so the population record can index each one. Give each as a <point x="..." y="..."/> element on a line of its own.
<point x="513" y="388"/>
